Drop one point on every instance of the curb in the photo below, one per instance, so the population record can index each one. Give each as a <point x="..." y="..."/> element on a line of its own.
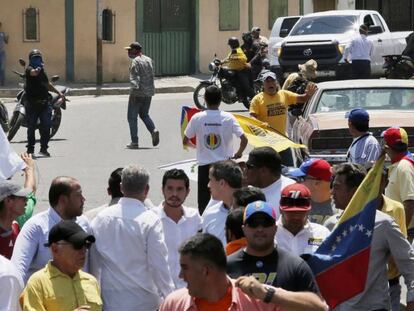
<point x="11" y="93"/>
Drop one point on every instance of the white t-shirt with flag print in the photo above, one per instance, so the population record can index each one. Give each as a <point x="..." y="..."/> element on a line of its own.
<point x="214" y="131"/>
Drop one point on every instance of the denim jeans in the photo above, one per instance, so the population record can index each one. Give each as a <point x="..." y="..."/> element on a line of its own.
<point x="139" y="106"/>
<point x="2" y="67"/>
<point x="45" y="117"/>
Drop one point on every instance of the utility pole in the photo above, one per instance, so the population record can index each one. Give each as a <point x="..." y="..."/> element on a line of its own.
<point x="99" y="43"/>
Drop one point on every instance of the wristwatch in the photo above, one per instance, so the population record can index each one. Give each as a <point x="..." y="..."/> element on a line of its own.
<point x="270" y="291"/>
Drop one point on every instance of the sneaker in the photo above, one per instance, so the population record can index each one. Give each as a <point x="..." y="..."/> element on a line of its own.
<point x="30" y="150"/>
<point x="44" y="153"/>
<point x="155" y="138"/>
<point x="132" y="146"/>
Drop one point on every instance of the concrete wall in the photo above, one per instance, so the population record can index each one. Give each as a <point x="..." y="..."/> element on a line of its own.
<point x="51" y="30"/>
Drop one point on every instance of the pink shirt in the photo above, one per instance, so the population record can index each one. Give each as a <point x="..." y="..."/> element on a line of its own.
<point x="180" y="300"/>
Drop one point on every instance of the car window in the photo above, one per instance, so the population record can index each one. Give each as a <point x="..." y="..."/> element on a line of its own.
<point x="325" y="25"/>
<point x="370" y="99"/>
<point x="378" y="22"/>
<point x="287" y="25"/>
<point x="368" y="20"/>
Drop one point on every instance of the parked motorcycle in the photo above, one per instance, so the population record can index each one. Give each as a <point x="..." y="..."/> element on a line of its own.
<point x="18" y="118"/>
<point x="223" y="78"/>
<point x="398" y="67"/>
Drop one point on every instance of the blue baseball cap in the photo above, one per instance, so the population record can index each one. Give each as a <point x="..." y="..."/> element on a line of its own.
<point x="259" y="207"/>
<point x="357" y="114"/>
<point x="317" y="168"/>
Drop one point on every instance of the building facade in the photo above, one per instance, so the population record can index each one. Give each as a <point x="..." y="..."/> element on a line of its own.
<point x="182" y="36"/>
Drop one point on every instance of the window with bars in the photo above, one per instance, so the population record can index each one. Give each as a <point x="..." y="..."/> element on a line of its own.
<point x="277" y="8"/>
<point x="229" y="15"/>
<point x="31" y="24"/>
<point x="108" y="26"/>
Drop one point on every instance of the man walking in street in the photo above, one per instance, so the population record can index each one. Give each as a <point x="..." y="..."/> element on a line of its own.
<point x="130" y="257"/>
<point x="359" y="52"/>
<point x="4" y="39"/>
<point x="365" y="147"/>
<point x="61" y="285"/>
<point x="66" y="203"/>
<point x="214" y="131"/>
<point x="141" y="76"/>
<point x="179" y="222"/>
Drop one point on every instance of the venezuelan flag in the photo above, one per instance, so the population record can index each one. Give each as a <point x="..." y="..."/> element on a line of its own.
<point x="340" y="264"/>
<point x="186" y="114"/>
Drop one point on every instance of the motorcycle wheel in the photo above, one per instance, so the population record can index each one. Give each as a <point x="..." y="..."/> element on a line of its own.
<point x="56" y="119"/>
<point x="198" y="96"/>
<point x="15" y="123"/>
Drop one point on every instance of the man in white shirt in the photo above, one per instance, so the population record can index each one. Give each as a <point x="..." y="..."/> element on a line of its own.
<point x="66" y="203"/>
<point x="11" y="286"/>
<point x="295" y="233"/>
<point x="359" y="52"/>
<point x="264" y="170"/>
<point x="225" y="178"/>
<point x="129" y="258"/>
<point x="179" y="222"/>
<point x="214" y="130"/>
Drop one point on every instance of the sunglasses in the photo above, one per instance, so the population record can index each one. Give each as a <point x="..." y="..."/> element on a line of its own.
<point x="265" y="223"/>
<point x="294" y="202"/>
<point x="77" y="247"/>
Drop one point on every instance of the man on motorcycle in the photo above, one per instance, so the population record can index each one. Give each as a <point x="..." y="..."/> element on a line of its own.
<point x="237" y="61"/>
<point x="255" y="52"/>
<point x="38" y="104"/>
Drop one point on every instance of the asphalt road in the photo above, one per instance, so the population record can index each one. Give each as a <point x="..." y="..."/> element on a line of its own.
<point x="92" y="141"/>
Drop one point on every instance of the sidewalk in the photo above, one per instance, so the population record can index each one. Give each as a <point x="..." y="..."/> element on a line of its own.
<point x="179" y="84"/>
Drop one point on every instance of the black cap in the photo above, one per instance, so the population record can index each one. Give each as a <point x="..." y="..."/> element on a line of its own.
<point x="265" y="157"/>
<point x="134" y="45"/>
<point x="70" y="231"/>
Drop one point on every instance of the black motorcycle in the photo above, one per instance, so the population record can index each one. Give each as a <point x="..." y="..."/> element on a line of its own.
<point x="18" y="118"/>
<point x="224" y="79"/>
<point x="398" y="67"/>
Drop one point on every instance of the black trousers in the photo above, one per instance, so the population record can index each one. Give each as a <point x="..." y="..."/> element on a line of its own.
<point x="244" y="83"/>
<point x="203" y="195"/>
<point x="361" y="69"/>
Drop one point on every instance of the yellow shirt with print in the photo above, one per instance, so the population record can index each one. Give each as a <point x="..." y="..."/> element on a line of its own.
<point x="395" y="210"/>
<point x="51" y="290"/>
<point x="273" y="108"/>
<point x="236" y="61"/>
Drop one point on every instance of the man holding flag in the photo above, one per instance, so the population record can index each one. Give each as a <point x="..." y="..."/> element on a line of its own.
<point x="350" y="266"/>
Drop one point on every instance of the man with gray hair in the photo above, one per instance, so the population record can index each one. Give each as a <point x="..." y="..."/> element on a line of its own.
<point x="129" y="258"/>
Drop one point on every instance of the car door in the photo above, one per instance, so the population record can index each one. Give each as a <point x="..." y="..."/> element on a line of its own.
<point x="378" y="38"/>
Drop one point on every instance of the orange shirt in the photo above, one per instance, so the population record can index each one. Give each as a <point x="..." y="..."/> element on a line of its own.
<point x="222" y="305"/>
<point x="235" y="245"/>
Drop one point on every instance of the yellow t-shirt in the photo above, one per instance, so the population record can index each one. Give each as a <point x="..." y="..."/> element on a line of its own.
<point x="273" y="108"/>
<point x="395" y="210"/>
<point x="51" y="290"/>
<point x="236" y="61"/>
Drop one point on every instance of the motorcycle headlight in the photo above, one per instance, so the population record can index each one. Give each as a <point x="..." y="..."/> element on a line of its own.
<point x="211" y="67"/>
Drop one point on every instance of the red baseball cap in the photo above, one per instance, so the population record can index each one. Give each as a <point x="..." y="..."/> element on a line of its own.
<point x="395" y="136"/>
<point x="317" y="168"/>
<point x="295" y="198"/>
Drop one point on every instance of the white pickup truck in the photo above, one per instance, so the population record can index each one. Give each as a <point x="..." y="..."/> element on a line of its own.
<point x="324" y="36"/>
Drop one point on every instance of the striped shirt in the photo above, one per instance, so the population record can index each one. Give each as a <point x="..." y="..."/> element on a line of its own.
<point x="364" y="149"/>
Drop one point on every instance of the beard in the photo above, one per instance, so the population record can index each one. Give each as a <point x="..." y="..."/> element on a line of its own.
<point x="174" y="202"/>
